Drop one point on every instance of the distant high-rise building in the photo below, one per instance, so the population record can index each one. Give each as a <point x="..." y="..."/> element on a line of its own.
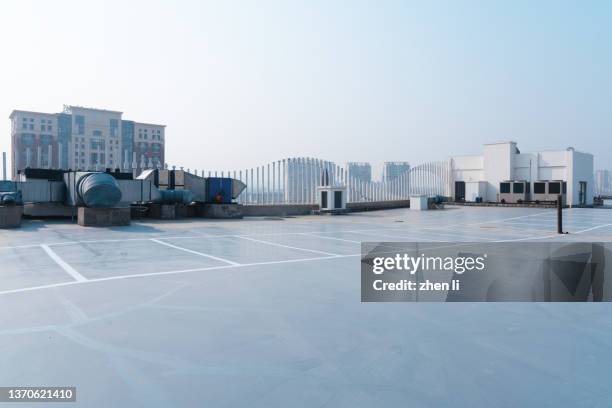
<point x="359" y="170"/>
<point x="603" y="182"/>
<point x="83" y="139"/>
<point x="392" y="170"/>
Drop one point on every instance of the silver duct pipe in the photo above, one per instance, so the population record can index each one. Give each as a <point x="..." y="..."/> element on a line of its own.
<point x="49" y="156"/>
<point x="3" y="165"/>
<point x="59" y="156"/>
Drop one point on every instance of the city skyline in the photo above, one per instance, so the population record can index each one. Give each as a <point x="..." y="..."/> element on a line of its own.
<point x="245" y="83"/>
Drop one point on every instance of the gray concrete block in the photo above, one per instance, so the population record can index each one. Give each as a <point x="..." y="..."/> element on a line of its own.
<point x="48" y="210"/>
<point x="10" y="216"/>
<point x="162" y="211"/>
<point x="221" y="211"/>
<point x="278" y="210"/>
<point x="103" y="217"/>
<point x="170" y="211"/>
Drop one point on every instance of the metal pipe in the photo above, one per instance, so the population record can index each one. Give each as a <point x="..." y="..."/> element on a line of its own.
<point x="559" y="214"/>
<point x="245" y="196"/>
<point x="302" y="180"/>
<point x="134" y="165"/>
<point x="252" y="196"/>
<point x="292" y="181"/>
<point x="257" y="188"/>
<point x="298" y="180"/>
<point x="272" y="175"/>
<point x="264" y="193"/>
<point x="3" y="165"/>
<point x="286" y="180"/>
<point x="59" y="156"/>
<point x="313" y="183"/>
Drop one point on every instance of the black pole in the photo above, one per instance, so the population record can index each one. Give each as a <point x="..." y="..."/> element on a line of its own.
<point x="559" y="215"/>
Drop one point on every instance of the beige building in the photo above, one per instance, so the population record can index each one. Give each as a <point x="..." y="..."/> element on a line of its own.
<point x="82" y="138"/>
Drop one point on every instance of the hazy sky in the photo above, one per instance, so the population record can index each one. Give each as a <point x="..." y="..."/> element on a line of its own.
<point x="241" y="83"/>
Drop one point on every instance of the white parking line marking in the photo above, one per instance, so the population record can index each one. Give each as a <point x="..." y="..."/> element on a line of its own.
<point x="196" y="252"/>
<point x="420" y="230"/>
<point x="36" y="245"/>
<point x="285" y="246"/>
<point x="551" y="236"/>
<point x="512" y="229"/>
<point x="489" y="221"/>
<point x="593" y="228"/>
<point x="397" y="236"/>
<point x="332" y="238"/>
<point x="67" y="268"/>
<point x="153" y="274"/>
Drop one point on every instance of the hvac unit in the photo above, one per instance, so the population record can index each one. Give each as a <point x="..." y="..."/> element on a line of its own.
<point x="219" y="190"/>
<point x="514" y="191"/>
<point x="549" y="190"/>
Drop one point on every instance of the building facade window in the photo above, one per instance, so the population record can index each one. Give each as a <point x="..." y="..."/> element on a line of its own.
<point x="98" y="144"/>
<point x="79" y="122"/>
<point x="114" y="127"/>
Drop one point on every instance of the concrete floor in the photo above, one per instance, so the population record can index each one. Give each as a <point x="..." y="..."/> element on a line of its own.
<point x="267" y="313"/>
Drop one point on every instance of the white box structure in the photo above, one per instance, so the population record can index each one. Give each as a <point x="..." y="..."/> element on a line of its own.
<point x="418" y="202"/>
<point x="331" y="198"/>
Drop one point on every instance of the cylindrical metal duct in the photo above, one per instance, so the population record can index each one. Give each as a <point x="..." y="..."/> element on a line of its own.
<point x="176" y="196"/>
<point x="98" y="190"/>
<point x="10" y="198"/>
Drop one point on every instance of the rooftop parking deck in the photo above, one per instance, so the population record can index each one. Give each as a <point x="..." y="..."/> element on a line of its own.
<point x="266" y="312"/>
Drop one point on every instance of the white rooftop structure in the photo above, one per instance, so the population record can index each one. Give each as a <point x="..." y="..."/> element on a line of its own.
<point x="503" y="161"/>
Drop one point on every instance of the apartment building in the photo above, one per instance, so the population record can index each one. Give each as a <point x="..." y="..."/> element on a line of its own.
<point x="82" y="138"/>
<point x="359" y="170"/>
<point x="392" y="170"/>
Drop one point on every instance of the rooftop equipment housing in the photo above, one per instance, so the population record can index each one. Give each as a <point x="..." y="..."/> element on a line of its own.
<point x="514" y="191"/>
<point x="549" y="190"/>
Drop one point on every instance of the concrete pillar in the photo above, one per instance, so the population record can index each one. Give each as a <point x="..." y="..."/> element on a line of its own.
<point x="126" y="161"/>
<point x="50" y="156"/>
<point x="134" y="165"/>
<point x="59" y="156"/>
